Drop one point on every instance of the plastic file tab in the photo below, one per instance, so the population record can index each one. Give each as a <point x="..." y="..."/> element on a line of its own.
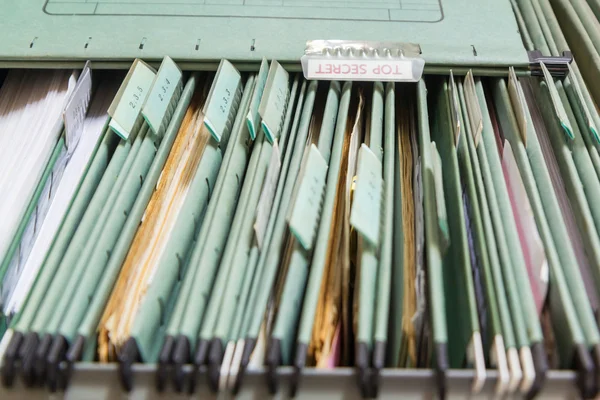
<point x="125" y="108"/>
<point x="223" y="99"/>
<point x="362" y="61"/>
<point x="164" y="95"/>
<point x="518" y="102"/>
<point x="252" y="119"/>
<point x="559" y="109"/>
<point x="475" y="119"/>
<point x="77" y="106"/>
<point x="365" y="215"/>
<point x="304" y="218"/>
<point x="274" y="101"/>
<point x="265" y="202"/>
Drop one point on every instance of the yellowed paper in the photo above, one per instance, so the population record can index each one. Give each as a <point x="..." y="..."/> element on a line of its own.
<point x="152" y="235"/>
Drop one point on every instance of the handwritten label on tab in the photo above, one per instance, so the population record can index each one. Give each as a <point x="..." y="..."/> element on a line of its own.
<point x="360" y="70"/>
<point x="223" y="100"/>
<point x="454" y="110"/>
<point x="253" y="117"/>
<point x="77" y="106"/>
<point x="166" y="87"/>
<point x="581" y="102"/>
<point x="365" y="215"/>
<point x="304" y="218"/>
<point x="274" y="101"/>
<point x="265" y="202"/>
<point x="475" y="118"/>
<point x="557" y="103"/>
<point x="518" y="103"/>
<point x="127" y="104"/>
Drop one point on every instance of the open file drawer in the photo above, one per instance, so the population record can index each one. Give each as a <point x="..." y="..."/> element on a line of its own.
<point x="469" y="144"/>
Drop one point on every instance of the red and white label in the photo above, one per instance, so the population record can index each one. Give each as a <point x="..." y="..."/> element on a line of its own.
<point x="359" y="70"/>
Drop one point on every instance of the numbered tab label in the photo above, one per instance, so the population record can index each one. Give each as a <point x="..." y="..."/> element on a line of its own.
<point x="253" y="117"/>
<point x="274" y="101"/>
<point x="365" y="215"/>
<point x="127" y="104"/>
<point x="304" y="218"/>
<point x="267" y="195"/>
<point x="164" y="94"/>
<point x="223" y="100"/>
<point x="77" y="107"/>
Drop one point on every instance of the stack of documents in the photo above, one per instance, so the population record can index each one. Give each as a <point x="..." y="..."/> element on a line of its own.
<point x="241" y="221"/>
<point x="158" y="253"/>
<point x="61" y="184"/>
<point x="33" y="159"/>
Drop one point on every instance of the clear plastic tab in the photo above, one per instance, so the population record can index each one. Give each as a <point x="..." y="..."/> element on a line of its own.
<point x="345" y="60"/>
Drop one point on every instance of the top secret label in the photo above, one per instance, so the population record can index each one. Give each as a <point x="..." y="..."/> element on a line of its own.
<point x="360" y="70"/>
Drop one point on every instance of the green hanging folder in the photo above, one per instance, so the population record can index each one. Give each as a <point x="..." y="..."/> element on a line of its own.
<point x="22" y="320"/>
<point x="231" y="168"/>
<point x="71" y="268"/>
<point x="238" y="253"/>
<point x="519" y="294"/>
<point x="499" y="337"/>
<point x="433" y="251"/>
<point x="149" y="147"/>
<point x="365" y="218"/>
<point x="304" y="219"/>
<point x="267" y="264"/>
<point x="384" y="279"/>
<point x="463" y="332"/>
<point x="580" y="28"/>
<point x="206" y="302"/>
<point x="585" y="113"/>
<point x="231" y="372"/>
<point x="148" y="326"/>
<point x="56" y="348"/>
<point x="472" y="113"/>
<point x="568" y="302"/>
<point x="228" y="267"/>
<point x="317" y="268"/>
<point x="86" y="331"/>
